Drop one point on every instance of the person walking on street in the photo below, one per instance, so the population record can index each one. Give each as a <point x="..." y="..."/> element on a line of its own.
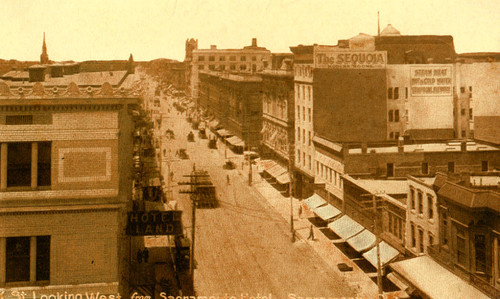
<point x="311" y="233"/>
<point x="300" y="211"/>
<point x="228" y="182"/>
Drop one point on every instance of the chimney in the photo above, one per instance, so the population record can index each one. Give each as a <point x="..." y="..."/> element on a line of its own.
<point x="56" y="71"/>
<point x="37" y="73"/>
<point x="364" y="148"/>
<point x="401" y="145"/>
<point x="254" y="42"/>
<point x="213" y="47"/>
<point x="463" y="146"/>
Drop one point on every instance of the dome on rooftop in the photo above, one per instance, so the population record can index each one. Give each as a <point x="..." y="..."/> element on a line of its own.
<point x="390" y="31"/>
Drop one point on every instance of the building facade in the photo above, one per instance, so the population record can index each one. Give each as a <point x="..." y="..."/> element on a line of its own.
<point x="65" y="182"/>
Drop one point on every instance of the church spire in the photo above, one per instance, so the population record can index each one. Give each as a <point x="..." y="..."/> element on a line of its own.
<point x="44" y="58"/>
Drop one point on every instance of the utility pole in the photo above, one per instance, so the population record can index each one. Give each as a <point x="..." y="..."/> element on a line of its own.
<point x="377" y="235"/>
<point x="194" y="193"/>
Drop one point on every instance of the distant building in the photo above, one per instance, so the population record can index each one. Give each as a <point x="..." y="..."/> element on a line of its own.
<point x="44" y="57"/>
<point x="250" y="59"/>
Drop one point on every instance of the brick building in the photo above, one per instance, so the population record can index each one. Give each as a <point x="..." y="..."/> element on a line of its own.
<point x="65" y="181"/>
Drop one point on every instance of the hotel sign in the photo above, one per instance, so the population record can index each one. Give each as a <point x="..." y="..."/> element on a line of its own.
<point x="350" y="60"/>
<point x="154" y="223"/>
<point x="431" y="81"/>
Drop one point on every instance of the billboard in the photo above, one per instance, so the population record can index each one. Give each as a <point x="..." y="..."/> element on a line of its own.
<point x="153" y="223"/>
<point x="328" y="58"/>
<point x="431" y="81"/>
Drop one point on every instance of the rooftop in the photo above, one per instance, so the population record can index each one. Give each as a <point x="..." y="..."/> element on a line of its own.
<point x="428" y="147"/>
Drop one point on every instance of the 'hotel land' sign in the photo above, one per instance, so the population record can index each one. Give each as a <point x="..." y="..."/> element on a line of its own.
<point x="154" y="223"/>
<point x="431" y="81"/>
<point x="350" y="60"/>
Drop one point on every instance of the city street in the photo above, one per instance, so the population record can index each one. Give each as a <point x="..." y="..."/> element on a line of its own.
<point x="243" y="246"/>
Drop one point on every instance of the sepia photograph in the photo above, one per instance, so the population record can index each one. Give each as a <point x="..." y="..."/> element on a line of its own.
<point x="249" y="149"/>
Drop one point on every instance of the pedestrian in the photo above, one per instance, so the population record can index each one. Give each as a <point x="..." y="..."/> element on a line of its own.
<point x="171" y="175"/>
<point x="228" y="179"/>
<point x="164" y="152"/>
<point x="311" y="233"/>
<point x="139" y="256"/>
<point x="145" y="253"/>
<point x="300" y="211"/>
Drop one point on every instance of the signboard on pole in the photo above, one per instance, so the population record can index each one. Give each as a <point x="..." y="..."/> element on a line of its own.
<point x="431" y="81"/>
<point x="153" y="223"/>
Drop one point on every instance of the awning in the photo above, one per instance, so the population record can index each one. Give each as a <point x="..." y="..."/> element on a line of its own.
<point x="345" y="227"/>
<point x="284" y="178"/>
<point x="434" y="280"/>
<point x="362" y="241"/>
<point x="327" y="212"/>
<point x="314" y="201"/>
<point x="263" y="165"/>
<point x="235" y="141"/>
<point x="276" y="171"/>
<point x="213" y="124"/>
<point x="387" y="254"/>
<point x="224" y="133"/>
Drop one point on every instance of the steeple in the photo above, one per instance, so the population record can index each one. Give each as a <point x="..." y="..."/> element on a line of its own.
<point x="44" y="58"/>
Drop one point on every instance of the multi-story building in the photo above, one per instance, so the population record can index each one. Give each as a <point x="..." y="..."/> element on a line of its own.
<point x="278" y="115"/>
<point x="65" y="181"/>
<point x="250" y="59"/>
<point x="235" y="101"/>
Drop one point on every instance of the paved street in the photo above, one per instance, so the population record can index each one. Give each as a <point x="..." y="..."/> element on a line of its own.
<point x="244" y="246"/>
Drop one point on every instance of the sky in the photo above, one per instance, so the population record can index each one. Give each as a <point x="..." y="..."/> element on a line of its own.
<point x="149" y="29"/>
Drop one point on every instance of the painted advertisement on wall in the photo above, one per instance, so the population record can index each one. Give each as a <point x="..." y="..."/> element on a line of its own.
<point x="431" y="81"/>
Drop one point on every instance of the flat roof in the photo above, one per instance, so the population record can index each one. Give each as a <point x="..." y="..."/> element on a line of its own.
<point x="428" y="147"/>
<point x="81" y="79"/>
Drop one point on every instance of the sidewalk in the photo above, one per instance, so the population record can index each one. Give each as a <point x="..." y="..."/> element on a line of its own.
<point x="321" y="245"/>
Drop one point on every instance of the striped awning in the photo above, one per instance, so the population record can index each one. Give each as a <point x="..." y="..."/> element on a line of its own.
<point x="345" y="227"/>
<point x="362" y="241"/>
<point x="387" y="254"/>
<point x="327" y="212"/>
<point x="314" y="201"/>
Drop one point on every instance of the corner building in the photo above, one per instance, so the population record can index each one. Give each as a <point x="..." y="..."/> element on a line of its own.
<point x="65" y="144"/>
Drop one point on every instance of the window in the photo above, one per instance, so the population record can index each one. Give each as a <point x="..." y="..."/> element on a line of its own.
<point x="431" y="239"/>
<point x="243" y="67"/>
<point x="462" y="89"/>
<point x="396" y="115"/>
<point x="420" y="240"/>
<point x="407" y="116"/>
<point x="396" y="93"/>
<point x="222" y="67"/>
<point x="389" y="93"/>
<point x="298" y="134"/>
<point x="480" y="249"/>
<point x="445" y="229"/>
<point x="304" y="136"/>
<point x="303" y="159"/>
<point x="309" y="138"/>
<point x="451" y="166"/>
<point x="391" y="115"/>
<point x="232" y="67"/>
<point x="425" y="168"/>
<point x="413" y="238"/>
<point x="18" y="258"/>
<point x="17" y="262"/>
<point x="42" y="258"/>
<point x="232" y="58"/>
<point x="462" y="111"/>
<point x="243" y="58"/>
<point x="304" y="113"/>
<point x="391" y="135"/>
<point x="309" y="113"/>
<point x="309" y="161"/>
<point x="470" y="114"/>
<point x="310" y="92"/>
<point x="254" y="58"/>
<point x="396" y="135"/>
<point x="390" y="169"/>
<point x="201" y="66"/>
<point x="19" y="164"/>
<point x="19" y="119"/>
<point x="211" y="58"/>
<point x="222" y="58"/>
<point x="484" y="165"/>
<point x="298" y="156"/>
<point x="201" y="58"/>
<point x="406" y="92"/>
<point x="463" y="133"/>
<point x="420" y="203"/>
<point x="211" y="67"/>
<point x="460" y="250"/>
<point x="298" y="112"/>
<point x="430" y="207"/>
<point x="44" y="161"/>
<point x="412" y="198"/>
